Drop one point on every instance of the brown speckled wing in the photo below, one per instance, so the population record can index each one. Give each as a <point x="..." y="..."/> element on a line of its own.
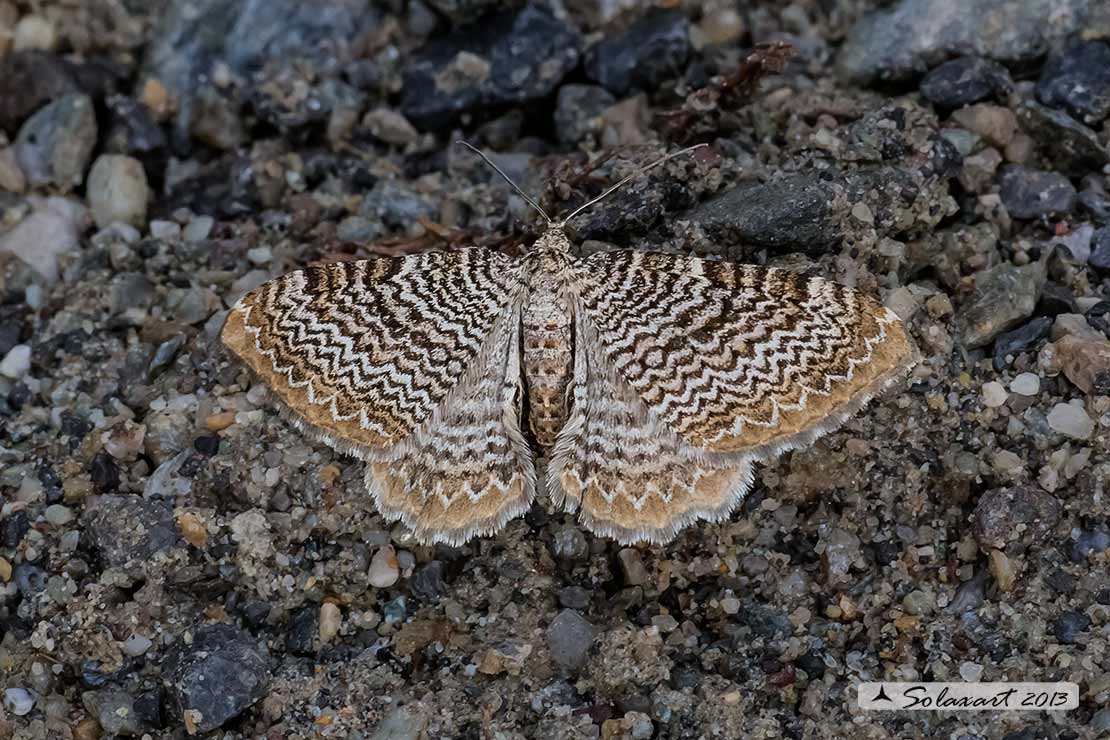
<point x="411" y="364"/>
<point x="721" y="364"/>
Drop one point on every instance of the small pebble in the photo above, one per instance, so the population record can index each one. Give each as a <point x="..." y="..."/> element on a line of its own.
<point x="330" y="620"/>
<point x="34" y="32"/>
<point x="384" y="569"/>
<point x="57" y="514"/>
<point x="632" y="566"/>
<point x="994" y="394"/>
<point x="19" y="701"/>
<point x="17" y="363"/>
<point x="1071" y="420"/>
<point x="1026" y="384"/>
<point x="136" y="645"/>
<point x="118" y="191"/>
<point x="199" y="228"/>
<point x="165" y="230"/>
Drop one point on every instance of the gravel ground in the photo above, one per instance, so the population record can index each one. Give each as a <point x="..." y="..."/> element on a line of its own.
<point x="176" y="560"/>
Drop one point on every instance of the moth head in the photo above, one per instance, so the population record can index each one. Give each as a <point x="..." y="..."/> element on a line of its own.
<point x="558" y="226"/>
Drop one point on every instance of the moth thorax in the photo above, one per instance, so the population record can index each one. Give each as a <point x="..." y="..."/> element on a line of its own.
<point x="548" y="348"/>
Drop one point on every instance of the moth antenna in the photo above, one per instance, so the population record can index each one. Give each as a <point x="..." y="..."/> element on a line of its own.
<point x="516" y="187"/>
<point x="625" y="181"/>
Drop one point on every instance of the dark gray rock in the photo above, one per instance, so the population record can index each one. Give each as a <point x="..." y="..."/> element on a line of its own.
<point x="904" y="40"/>
<point x="1096" y="204"/>
<point x="965" y="81"/>
<point x="1068" y="626"/>
<point x="574" y="597"/>
<point x="506" y="59"/>
<point x="1078" y="80"/>
<point x="218" y="675"/>
<point x="304" y="626"/>
<point x="569" y="544"/>
<point x="12" y="529"/>
<point x="129" y="529"/>
<point x="1070" y="146"/>
<point x="970" y="595"/>
<point x="569" y="638"/>
<point x="1004" y="297"/>
<point x="1024" y="513"/>
<point x="464" y="11"/>
<point x="30" y="579"/>
<point x="651" y="50"/>
<point x="576" y="108"/>
<point x="1089" y="542"/>
<point x="1026" y="336"/>
<point x="795" y="213"/>
<point x="29" y="79"/>
<point x="396" y="205"/>
<point x="1100" y="250"/>
<point x="192" y="36"/>
<point x="1029" y="193"/>
<point x="54" y="145"/>
<point x="114" y="709"/>
<point x="766" y="621"/>
<point x="429" y="582"/>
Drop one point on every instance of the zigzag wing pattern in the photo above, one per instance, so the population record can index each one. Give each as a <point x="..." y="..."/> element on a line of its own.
<point x="410" y="364"/>
<point x="739" y="358"/>
<point x="627" y="475"/>
<point x="469" y="470"/>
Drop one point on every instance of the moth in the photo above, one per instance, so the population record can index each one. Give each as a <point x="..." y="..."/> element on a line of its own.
<point x="651" y="383"/>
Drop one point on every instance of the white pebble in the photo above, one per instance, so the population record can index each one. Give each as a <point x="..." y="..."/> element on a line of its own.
<point x="164" y="230"/>
<point x="994" y="395"/>
<point x="118" y="190"/>
<point x="1071" y="420"/>
<point x="199" y="228"/>
<point x="19" y="701"/>
<point x="970" y="671"/>
<point x="384" y="570"/>
<point x="17" y="362"/>
<point x="260" y="255"/>
<point x="137" y="645"/>
<point x="34" y="32"/>
<point x="1026" y="384"/>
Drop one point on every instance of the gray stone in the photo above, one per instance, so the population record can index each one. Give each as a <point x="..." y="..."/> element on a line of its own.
<point x="1004" y="297"/>
<point x="510" y="58"/>
<point x="358" y="229"/>
<point x="1068" y="626"/>
<point x="1029" y="193"/>
<point x="127" y="529"/>
<point x="1023" y="513"/>
<point x="19" y="701"/>
<point x="569" y="638"/>
<point x="898" y="42"/>
<point x="578" y="109"/>
<point x="570" y="544"/>
<point x="1100" y="250"/>
<point x="396" y="205"/>
<point x="785" y="215"/>
<point x="1078" y="80"/>
<point x="250" y="37"/>
<point x="965" y="81"/>
<point x="218" y="675"/>
<point x="651" y="50"/>
<point x="1100" y="721"/>
<point x="1070" y="146"/>
<point x="399" y="724"/>
<point x="54" y="145"/>
<point x="114" y="709"/>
